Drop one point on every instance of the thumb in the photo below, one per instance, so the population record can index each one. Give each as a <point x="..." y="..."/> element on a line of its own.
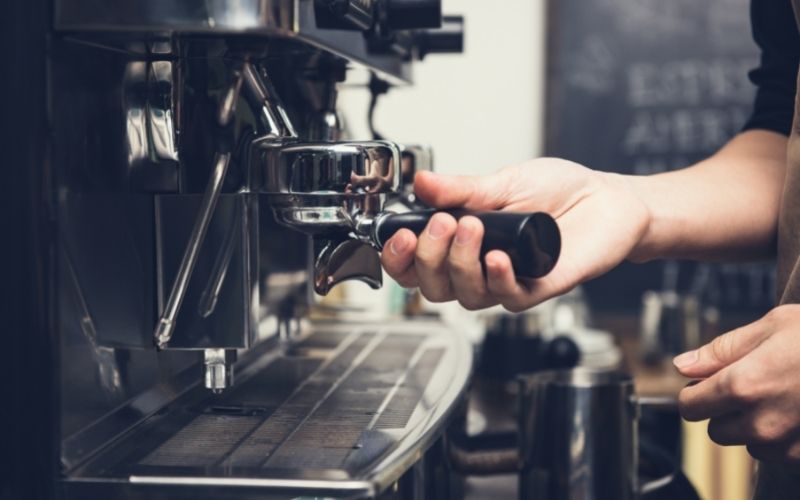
<point x="446" y="191"/>
<point x="722" y="351"/>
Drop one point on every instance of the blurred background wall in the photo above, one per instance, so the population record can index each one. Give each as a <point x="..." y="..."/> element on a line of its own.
<point x="480" y="110"/>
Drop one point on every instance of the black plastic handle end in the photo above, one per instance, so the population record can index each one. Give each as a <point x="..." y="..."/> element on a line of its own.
<point x="531" y="240"/>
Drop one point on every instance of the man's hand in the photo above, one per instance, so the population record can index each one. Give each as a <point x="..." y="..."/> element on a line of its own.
<point x="600" y="216"/>
<point x="749" y="386"/>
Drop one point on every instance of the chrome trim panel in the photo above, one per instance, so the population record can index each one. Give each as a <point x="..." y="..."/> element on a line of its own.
<point x="385" y="449"/>
<point x="274" y="18"/>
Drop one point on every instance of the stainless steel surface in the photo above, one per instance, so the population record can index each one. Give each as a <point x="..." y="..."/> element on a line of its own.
<point x="108" y="370"/>
<point x="151" y="126"/>
<point x="270" y="111"/>
<point x="325" y="122"/>
<point x="326" y="125"/>
<point x="163" y="135"/>
<point x="351" y="177"/>
<point x="291" y="19"/>
<point x="578" y="436"/>
<point x="123" y="228"/>
<point x="211" y="292"/>
<point x="276" y="129"/>
<point x="166" y="324"/>
<point x="332" y="191"/>
<point x="329" y="190"/>
<point x="227" y="105"/>
<point x="218" y="365"/>
<point x="152" y="107"/>
<point x="221" y="304"/>
<point x="340" y="261"/>
<point x="343" y="411"/>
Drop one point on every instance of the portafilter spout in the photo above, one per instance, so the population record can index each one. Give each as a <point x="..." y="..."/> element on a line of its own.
<point x="337" y="192"/>
<point x="326" y="190"/>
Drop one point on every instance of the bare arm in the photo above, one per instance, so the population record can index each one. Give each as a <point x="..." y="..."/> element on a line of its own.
<point x="723" y="208"/>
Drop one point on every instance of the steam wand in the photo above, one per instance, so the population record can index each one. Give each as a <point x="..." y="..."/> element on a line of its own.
<point x="277" y="129"/>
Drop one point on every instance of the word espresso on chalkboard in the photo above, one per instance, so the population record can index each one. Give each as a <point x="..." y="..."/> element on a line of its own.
<point x="646" y="86"/>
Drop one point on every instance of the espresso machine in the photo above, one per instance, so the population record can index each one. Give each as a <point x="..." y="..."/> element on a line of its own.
<point x="184" y="188"/>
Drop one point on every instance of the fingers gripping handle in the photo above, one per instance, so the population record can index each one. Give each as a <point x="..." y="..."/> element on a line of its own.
<point x="531" y="240"/>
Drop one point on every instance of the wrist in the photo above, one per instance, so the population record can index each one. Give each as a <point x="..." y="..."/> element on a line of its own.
<point x="647" y="219"/>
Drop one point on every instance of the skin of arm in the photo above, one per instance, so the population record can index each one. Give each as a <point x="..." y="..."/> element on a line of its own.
<point x="725" y="207"/>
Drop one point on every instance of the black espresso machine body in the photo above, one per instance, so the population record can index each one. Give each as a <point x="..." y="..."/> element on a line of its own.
<point x="160" y="340"/>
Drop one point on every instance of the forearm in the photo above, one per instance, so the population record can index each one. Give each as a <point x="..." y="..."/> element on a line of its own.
<point x="725" y="207"/>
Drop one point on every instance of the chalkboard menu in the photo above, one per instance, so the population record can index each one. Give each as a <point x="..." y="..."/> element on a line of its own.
<point x="645" y="86"/>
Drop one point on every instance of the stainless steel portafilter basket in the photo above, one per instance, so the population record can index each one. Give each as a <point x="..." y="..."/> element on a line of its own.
<point x="337" y="193"/>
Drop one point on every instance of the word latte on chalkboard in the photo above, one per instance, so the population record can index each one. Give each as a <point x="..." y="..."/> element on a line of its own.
<point x="645" y="86"/>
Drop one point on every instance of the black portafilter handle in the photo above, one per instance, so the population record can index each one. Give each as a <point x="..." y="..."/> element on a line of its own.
<point x="531" y="240"/>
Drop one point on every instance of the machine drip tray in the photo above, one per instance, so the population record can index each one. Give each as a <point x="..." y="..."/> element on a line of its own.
<point x="344" y="412"/>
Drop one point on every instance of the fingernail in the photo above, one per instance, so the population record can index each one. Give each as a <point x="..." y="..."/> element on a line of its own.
<point x="686" y="359"/>
<point x="463" y="235"/>
<point x="397" y="245"/>
<point x="436" y="229"/>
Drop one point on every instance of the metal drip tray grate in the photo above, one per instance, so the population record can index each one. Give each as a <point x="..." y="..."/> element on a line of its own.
<point x="203" y="441"/>
<point x="333" y="408"/>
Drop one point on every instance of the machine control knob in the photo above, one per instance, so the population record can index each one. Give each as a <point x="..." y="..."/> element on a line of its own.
<point x="412" y="14"/>
<point x="449" y="39"/>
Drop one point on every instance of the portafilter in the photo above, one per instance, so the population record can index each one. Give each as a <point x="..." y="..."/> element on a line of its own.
<point x="337" y="192"/>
